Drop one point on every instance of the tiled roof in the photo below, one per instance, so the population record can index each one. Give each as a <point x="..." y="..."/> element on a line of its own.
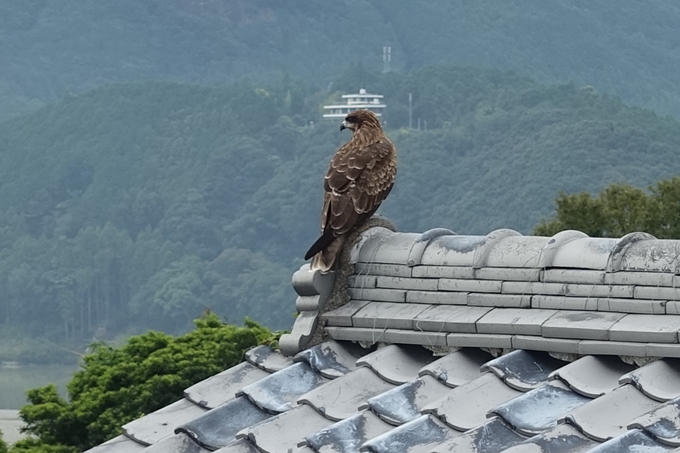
<point x="447" y="343"/>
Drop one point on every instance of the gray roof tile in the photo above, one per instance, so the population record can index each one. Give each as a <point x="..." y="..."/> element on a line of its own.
<point x="646" y="328"/>
<point x="437" y="297"/>
<point x="563" y="303"/>
<point x="664" y="252"/>
<point x="332" y="359"/>
<point x="582" y="290"/>
<point x="282" y="433"/>
<point x="659" y="380"/>
<point x="620" y="348"/>
<point x="342" y="316"/>
<point x="362" y="281"/>
<point x="403" y="404"/>
<point x="639" y="278"/>
<point x="219" y="388"/>
<point x="453" y="251"/>
<point x="218" y="427"/>
<point x="663" y="422"/>
<point x="348" y="435"/>
<point x="534" y="343"/>
<point x="397" y="364"/>
<point x="581" y="325"/>
<point x="607" y="416"/>
<point x="426" y="284"/>
<point x="585" y="253"/>
<point x="307" y="303"/>
<point x="523" y="370"/>
<point x="592" y="376"/>
<point x="632" y="306"/>
<point x="581" y="276"/>
<point x="499" y="300"/>
<point x="415" y="256"/>
<point x="449" y="318"/>
<point x="119" y="444"/>
<point x="662" y="350"/>
<point x="631" y="441"/>
<point x="657" y="293"/>
<point x="394" y="270"/>
<point x="479" y="340"/>
<point x="508" y="274"/>
<point x="538" y="410"/>
<point x="430" y="339"/>
<point x="555" y="244"/>
<point x="477" y="286"/>
<point x="563" y="438"/>
<point x="153" y="427"/>
<point x="458" y="367"/>
<point x="268" y="359"/>
<point x="415" y="436"/>
<point x="466" y="406"/>
<point x="388" y="248"/>
<point x="381" y="294"/>
<point x="240" y="446"/>
<point x="387" y="315"/>
<point x="514" y="321"/>
<point x="342" y="397"/>
<point x="279" y="392"/>
<point x="516" y="252"/>
<point x="493" y="436"/>
<point x="541" y="288"/>
<point x="464" y="272"/>
<point x="178" y="443"/>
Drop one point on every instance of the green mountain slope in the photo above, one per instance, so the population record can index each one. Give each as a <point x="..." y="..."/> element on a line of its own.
<point x="623" y="47"/>
<point x="138" y="206"/>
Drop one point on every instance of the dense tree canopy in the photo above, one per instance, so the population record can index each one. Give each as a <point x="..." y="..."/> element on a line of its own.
<point x="120" y="384"/>
<point x="618" y="210"/>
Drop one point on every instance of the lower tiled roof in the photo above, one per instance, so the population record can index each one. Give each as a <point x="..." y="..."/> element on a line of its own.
<point x="408" y="399"/>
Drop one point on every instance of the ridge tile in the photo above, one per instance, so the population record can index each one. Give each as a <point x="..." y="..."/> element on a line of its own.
<point x="517" y="321"/>
<point x="387" y="315"/>
<point x="581" y="325"/>
<point x="449" y="318"/>
<point x="646" y="329"/>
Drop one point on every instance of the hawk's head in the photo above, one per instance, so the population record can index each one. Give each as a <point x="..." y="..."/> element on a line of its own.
<point x="360" y="119"/>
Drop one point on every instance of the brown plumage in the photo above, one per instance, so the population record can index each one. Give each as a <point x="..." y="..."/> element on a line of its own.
<point x="360" y="177"/>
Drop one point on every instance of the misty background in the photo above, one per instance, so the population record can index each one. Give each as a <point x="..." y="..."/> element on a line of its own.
<point x="159" y="159"/>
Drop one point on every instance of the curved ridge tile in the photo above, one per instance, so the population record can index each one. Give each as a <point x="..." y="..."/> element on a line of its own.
<point x="523" y="370"/>
<point x="538" y="410"/>
<point x="591" y="375"/>
<point x="490" y="242"/>
<point x="268" y="359"/>
<point x="452" y="251"/>
<point x="388" y="248"/>
<point x="585" y="253"/>
<point x="284" y="432"/>
<point x="415" y="256"/>
<point x="344" y="396"/>
<point x="562" y="438"/>
<point x="659" y="380"/>
<point x="397" y="364"/>
<point x="279" y="392"/>
<point x="607" y="416"/>
<point x="348" y="435"/>
<point x="653" y="255"/>
<point x="493" y="436"/>
<point x="516" y="252"/>
<point x="632" y="441"/>
<point x="465" y="407"/>
<point x="221" y="387"/>
<point x="218" y="427"/>
<point x="332" y="359"/>
<point x="179" y="443"/>
<point x="458" y="367"/>
<point x="663" y="422"/>
<point x="403" y="404"/>
<point x="368" y="236"/>
<point x="619" y="255"/>
<point x="555" y="243"/>
<point x="416" y="435"/>
<point x="154" y="426"/>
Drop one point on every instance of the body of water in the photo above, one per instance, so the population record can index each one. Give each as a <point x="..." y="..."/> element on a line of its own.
<point x="15" y="380"/>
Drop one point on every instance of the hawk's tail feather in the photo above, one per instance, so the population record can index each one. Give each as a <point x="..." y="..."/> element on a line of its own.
<point x="320" y="244"/>
<point x="327" y="259"/>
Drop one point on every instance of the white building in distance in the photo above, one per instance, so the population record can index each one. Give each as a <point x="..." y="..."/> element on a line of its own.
<point x="362" y="100"/>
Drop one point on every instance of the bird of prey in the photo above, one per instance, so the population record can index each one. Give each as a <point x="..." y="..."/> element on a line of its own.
<point x="360" y="177"/>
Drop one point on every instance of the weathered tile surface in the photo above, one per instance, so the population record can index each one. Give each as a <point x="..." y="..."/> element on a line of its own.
<point x="403" y="404"/>
<point x="581" y="325"/>
<point x="415" y="436"/>
<point x="153" y="427"/>
<point x="523" y="370"/>
<point x="493" y="436"/>
<point x="449" y="318"/>
<point x="458" y="367"/>
<point x="514" y="321"/>
<point x="397" y="364"/>
<point x="593" y="376"/>
<point x="659" y="380"/>
<point x="348" y="435"/>
<point x="223" y="386"/>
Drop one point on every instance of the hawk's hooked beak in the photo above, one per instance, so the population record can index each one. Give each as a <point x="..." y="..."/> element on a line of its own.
<point x="344" y="126"/>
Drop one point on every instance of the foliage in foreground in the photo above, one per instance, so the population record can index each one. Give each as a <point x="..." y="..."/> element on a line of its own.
<point x="618" y="210"/>
<point x="118" y="385"/>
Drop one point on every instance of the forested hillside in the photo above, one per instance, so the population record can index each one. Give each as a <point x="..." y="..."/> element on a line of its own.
<point x="141" y="205"/>
<point x="624" y="47"/>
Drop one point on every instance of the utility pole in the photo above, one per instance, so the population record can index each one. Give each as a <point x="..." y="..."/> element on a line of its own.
<point x="387" y="58"/>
